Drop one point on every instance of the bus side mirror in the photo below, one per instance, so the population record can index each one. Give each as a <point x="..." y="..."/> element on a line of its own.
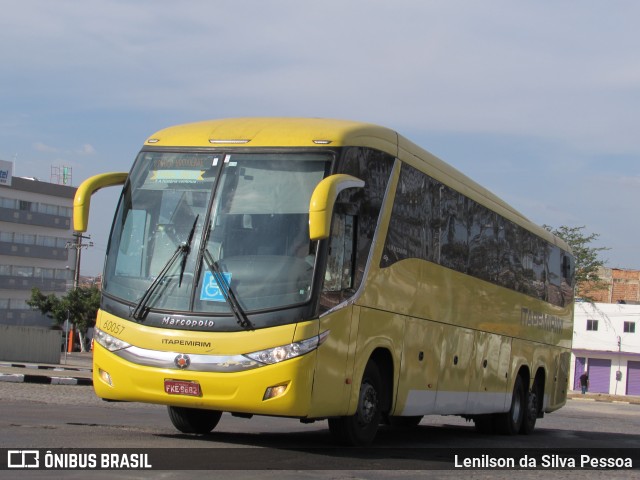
<point x="82" y="199"/>
<point x="323" y="200"/>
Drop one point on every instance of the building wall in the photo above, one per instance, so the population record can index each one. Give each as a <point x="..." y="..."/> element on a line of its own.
<point x="607" y="345"/>
<point x="35" y="226"/>
<point x="621" y="286"/>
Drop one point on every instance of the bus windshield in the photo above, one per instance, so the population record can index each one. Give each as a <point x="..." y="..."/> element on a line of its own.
<point x="247" y="212"/>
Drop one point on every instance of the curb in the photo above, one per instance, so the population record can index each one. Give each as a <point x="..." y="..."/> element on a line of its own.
<point x="45" y="374"/>
<point x="605" y="399"/>
<point x="21" y="378"/>
<point x="55" y="368"/>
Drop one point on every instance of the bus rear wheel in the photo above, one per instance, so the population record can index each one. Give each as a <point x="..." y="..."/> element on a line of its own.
<point x="533" y="407"/>
<point x="360" y="429"/>
<point x="509" y="423"/>
<point x="194" y="420"/>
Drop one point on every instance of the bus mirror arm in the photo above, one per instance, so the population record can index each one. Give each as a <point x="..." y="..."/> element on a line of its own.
<point x="323" y="200"/>
<point x="82" y="199"/>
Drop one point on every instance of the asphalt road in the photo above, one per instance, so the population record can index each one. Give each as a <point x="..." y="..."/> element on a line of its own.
<point x="38" y="416"/>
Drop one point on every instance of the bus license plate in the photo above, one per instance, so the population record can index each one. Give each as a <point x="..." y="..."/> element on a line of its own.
<point x="182" y="387"/>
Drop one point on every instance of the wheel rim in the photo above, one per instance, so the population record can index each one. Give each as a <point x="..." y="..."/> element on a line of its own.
<point x="368" y="405"/>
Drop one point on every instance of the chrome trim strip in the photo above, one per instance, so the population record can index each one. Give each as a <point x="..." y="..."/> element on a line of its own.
<point x="199" y="363"/>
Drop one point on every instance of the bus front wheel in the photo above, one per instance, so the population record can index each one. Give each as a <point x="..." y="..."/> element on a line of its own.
<point x="360" y="429"/>
<point x="194" y="420"/>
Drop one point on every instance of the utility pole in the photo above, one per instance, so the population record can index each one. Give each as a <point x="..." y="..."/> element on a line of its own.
<point x="78" y="246"/>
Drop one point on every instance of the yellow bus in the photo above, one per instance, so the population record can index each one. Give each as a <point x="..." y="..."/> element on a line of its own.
<point x="324" y="269"/>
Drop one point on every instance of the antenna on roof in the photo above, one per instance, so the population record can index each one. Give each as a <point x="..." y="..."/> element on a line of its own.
<point x="61" y="175"/>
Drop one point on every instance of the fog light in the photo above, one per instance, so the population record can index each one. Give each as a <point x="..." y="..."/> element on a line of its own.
<point x="273" y="392"/>
<point x="105" y="377"/>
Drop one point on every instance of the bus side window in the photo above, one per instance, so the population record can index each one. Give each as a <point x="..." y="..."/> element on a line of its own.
<point x="340" y="262"/>
<point x="130" y="262"/>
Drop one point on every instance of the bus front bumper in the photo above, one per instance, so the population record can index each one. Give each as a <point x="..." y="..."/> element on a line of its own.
<point x="280" y="389"/>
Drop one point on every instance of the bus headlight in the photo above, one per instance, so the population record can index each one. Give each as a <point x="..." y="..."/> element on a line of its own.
<point x="107" y="341"/>
<point x="286" y="352"/>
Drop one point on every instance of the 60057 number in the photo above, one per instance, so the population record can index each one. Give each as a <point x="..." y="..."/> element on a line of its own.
<point x="112" y="327"/>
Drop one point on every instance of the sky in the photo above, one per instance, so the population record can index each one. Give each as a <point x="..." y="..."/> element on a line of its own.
<point x="537" y="100"/>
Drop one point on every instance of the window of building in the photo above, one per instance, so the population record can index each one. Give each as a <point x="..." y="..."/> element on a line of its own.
<point x="18" y="304"/>
<point x="629" y="327"/>
<point x="44" y="272"/>
<point x="22" y="271"/>
<point x="25" y="205"/>
<point x="46" y="241"/>
<point x="62" y="274"/>
<point x="7" y="203"/>
<point x="592" y="325"/>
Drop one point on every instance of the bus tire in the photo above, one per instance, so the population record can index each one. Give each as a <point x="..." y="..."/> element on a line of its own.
<point x="509" y="423"/>
<point x="194" y="420"/>
<point x="532" y="408"/>
<point x="360" y="428"/>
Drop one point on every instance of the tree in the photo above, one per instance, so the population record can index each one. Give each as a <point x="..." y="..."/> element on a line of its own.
<point x="79" y="305"/>
<point x="49" y="305"/>
<point x="587" y="258"/>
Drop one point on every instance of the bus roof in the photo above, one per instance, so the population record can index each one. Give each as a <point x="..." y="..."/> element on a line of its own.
<point x="320" y="132"/>
<point x="275" y="132"/>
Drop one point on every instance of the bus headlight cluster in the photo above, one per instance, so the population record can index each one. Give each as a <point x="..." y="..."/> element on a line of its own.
<point x="107" y="341"/>
<point x="286" y="352"/>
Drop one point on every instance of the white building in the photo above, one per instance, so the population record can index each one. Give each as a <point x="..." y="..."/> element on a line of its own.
<point x="606" y="343"/>
<point x="35" y="226"/>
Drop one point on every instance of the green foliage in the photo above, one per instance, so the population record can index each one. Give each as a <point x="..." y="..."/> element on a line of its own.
<point x="80" y="305"/>
<point x="587" y="257"/>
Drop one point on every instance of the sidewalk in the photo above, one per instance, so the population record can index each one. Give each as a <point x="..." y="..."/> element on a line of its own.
<point x="604" y="397"/>
<point x="74" y="369"/>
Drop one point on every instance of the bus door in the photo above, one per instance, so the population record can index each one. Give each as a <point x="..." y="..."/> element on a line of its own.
<point x="335" y="359"/>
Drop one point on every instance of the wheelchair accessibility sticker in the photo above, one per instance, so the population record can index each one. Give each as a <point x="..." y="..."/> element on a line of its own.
<point x="210" y="288"/>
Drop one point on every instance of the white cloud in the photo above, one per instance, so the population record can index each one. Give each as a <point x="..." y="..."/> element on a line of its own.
<point x="42" y="147"/>
<point x="86" y="149"/>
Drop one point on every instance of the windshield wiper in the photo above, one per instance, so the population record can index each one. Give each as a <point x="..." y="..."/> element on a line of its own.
<point x="186" y="249"/>
<point x="183" y="249"/>
<point x="226" y="291"/>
